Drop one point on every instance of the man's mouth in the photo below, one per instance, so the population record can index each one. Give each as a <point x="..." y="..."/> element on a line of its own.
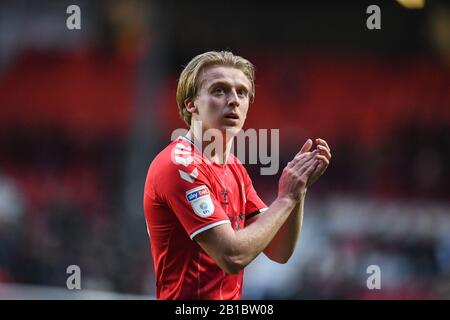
<point x="233" y="116"/>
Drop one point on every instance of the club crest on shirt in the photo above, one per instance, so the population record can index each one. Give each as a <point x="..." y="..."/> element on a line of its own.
<point x="200" y="200"/>
<point x="224" y="194"/>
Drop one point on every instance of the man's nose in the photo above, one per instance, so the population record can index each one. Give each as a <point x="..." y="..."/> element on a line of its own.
<point x="233" y="98"/>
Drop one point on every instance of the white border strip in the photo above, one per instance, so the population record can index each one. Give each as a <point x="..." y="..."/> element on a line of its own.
<point x="209" y="226"/>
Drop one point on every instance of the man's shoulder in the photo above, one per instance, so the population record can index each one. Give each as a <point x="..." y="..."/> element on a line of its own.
<point x="166" y="156"/>
<point x="179" y="160"/>
<point x="162" y="159"/>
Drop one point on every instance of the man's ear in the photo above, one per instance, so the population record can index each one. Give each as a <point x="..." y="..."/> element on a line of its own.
<point x="189" y="103"/>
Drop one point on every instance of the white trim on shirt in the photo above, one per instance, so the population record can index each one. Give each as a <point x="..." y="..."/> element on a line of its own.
<point x="209" y="226"/>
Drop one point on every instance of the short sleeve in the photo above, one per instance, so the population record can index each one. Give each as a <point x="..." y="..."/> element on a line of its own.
<point x="254" y="205"/>
<point x="187" y="192"/>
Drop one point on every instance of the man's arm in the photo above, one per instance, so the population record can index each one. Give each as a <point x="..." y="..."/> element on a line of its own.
<point x="281" y="248"/>
<point x="233" y="250"/>
<point x="283" y="245"/>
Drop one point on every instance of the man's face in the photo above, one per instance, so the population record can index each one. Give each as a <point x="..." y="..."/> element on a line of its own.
<point x="223" y="99"/>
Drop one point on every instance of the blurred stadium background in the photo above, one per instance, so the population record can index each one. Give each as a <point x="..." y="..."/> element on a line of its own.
<point x="83" y="113"/>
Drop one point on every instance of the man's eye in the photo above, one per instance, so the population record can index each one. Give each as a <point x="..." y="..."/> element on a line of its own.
<point x="219" y="90"/>
<point x="242" y="93"/>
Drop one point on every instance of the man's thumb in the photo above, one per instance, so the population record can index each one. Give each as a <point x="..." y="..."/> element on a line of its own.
<point x="307" y="146"/>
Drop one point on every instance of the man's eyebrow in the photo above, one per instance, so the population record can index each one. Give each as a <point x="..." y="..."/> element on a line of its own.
<point x="223" y="82"/>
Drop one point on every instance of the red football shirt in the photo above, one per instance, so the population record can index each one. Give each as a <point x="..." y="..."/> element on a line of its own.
<point x="186" y="194"/>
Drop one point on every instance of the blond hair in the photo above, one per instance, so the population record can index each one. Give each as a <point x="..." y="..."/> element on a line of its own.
<point x="188" y="83"/>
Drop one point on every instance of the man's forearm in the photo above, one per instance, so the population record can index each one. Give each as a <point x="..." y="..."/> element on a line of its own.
<point x="281" y="248"/>
<point x="253" y="239"/>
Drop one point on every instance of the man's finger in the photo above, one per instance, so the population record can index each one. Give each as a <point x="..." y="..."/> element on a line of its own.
<point x="322" y="158"/>
<point x="307" y="146"/>
<point x="309" y="170"/>
<point x="301" y="159"/>
<point x="325" y="151"/>
<point x="304" y="166"/>
<point x="322" y="142"/>
<point x="294" y="161"/>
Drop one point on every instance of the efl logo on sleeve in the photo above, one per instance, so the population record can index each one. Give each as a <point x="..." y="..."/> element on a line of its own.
<point x="200" y="200"/>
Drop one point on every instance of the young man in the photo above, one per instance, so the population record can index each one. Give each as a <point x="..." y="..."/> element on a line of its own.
<point x="205" y="219"/>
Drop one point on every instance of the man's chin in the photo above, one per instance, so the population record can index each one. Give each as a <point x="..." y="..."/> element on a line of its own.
<point x="231" y="130"/>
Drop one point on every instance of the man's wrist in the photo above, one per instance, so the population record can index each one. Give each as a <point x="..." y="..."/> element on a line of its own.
<point x="303" y="194"/>
<point x="287" y="200"/>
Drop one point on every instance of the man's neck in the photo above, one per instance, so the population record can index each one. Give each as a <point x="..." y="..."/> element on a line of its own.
<point x="217" y="150"/>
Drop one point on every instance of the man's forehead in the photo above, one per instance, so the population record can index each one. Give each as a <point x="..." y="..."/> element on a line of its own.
<point x="223" y="73"/>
